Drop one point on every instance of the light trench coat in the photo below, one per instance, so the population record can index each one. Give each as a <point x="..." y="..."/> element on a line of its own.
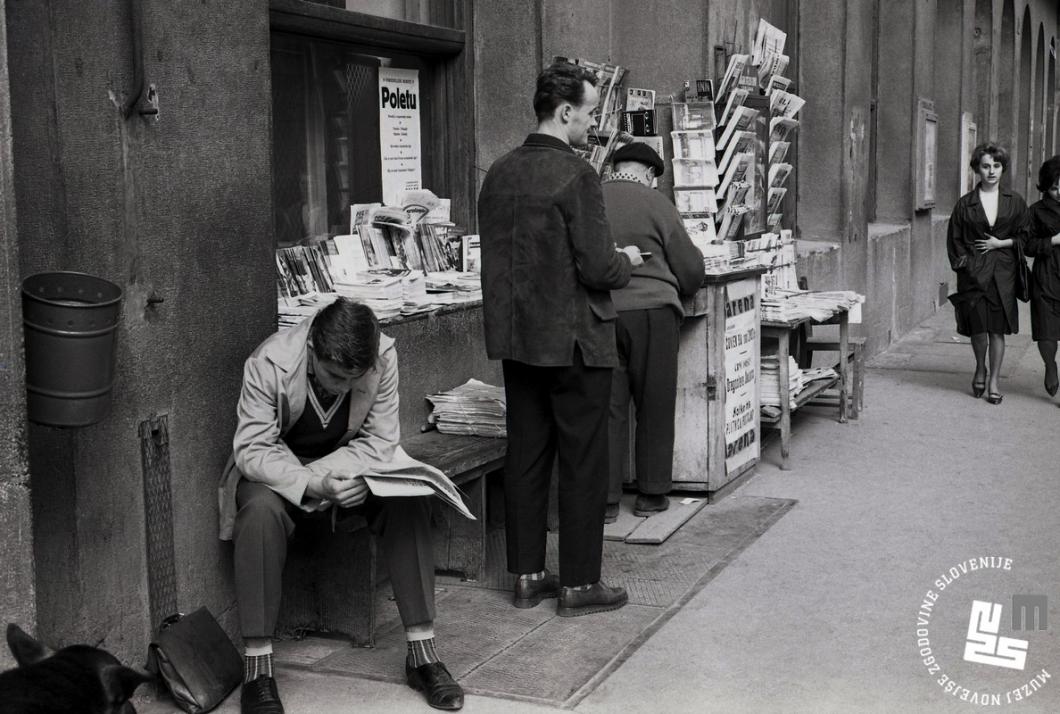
<point x="272" y="399"/>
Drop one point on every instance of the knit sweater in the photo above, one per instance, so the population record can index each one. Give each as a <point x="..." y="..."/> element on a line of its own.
<point x="643" y="217"/>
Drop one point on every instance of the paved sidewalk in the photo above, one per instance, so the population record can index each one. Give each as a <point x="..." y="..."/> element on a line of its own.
<point x="820" y="614"/>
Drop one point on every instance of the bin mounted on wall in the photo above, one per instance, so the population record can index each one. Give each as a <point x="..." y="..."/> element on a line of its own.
<point x="69" y="320"/>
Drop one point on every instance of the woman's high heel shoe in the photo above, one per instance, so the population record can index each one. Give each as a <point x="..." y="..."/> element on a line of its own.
<point x="1051" y="386"/>
<point x="978" y="388"/>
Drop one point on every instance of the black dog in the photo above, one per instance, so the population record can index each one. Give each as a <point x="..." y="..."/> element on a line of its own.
<point x="78" y="679"/>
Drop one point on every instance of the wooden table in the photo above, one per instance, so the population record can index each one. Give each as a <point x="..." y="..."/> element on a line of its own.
<point x="781" y="332"/>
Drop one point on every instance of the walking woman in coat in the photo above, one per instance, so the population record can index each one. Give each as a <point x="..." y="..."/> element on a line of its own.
<point x="1044" y="245"/>
<point x="985" y="227"/>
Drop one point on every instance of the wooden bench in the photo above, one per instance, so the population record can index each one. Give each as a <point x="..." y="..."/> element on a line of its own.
<point x="330" y="580"/>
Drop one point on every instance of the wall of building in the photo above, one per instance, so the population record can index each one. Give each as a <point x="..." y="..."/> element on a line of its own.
<point x="177" y="209"/>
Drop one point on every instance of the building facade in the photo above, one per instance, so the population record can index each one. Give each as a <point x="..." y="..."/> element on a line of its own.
<point x="169" y="146"/>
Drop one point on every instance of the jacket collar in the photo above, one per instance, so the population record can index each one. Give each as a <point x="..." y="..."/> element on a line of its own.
<point x="546" y="141"/>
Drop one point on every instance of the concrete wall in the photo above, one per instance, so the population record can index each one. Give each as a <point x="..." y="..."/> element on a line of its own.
<point x="17" y="602"/>
<point x="178" y="209"/>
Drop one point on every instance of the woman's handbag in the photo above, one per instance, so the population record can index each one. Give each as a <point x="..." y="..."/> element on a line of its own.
<point x="197" y="661"/>
<point x="1023" y="274"/>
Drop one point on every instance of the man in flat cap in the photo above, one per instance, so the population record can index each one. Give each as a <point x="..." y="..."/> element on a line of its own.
<point x="647" y="329"/>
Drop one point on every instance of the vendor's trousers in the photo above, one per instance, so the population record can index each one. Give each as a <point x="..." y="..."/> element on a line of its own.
<point x="550" y="411"/>
<point x="647" y="347"/>
<point x="265" y="521"/>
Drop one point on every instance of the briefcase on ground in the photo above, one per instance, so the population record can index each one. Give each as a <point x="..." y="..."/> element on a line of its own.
<point x="196" y="660"/>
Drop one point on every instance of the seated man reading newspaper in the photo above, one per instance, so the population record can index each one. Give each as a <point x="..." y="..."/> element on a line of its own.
<point x="317" y="426"/>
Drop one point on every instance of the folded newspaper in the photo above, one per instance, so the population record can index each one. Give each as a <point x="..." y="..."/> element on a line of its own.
<point x="404" y="476"/>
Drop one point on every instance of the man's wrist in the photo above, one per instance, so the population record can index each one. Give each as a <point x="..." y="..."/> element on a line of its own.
<point x="315" y="487"/>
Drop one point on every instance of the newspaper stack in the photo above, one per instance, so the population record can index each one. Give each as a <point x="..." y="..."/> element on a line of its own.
<point x="473" y="408"/>
<point x="291" y="311"/>
<point x="383" y="293"/>
<point x="790" y="305"/>
<point x="770" y="381"/>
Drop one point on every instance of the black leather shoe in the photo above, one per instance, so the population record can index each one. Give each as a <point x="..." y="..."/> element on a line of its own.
<point x="598" y="598"/>
<point x="650" y="505"/>
<point x="529" y="593"/>
<point x="437" y="685"/>
<point x="260" y="697"/>
<point x="611" y="513"/>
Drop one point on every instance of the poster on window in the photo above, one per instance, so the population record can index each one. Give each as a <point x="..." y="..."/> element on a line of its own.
<point x="399" y="132"/>
<point x="741" y="374"/>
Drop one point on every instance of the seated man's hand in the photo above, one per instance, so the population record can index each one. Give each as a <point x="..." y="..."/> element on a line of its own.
<point x="341" y="489"/>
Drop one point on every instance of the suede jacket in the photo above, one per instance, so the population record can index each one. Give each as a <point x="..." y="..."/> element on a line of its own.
<point x="548" y="259"/>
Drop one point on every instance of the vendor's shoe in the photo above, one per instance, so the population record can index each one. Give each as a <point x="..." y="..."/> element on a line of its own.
<point x="598" y="598"/>
<point x="611" y="513"/>
<point x="650" y="505"/>
<point x="259" y="696"/>
<point x="437" y="685"/>
<point x="529" y="593"/>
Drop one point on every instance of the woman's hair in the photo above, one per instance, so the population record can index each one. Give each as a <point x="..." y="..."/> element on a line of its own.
<point x="1049" y="173"/>
<point x="346" y="333"/>
<point x="559" y="83"/>
<point x="997" y="151"/>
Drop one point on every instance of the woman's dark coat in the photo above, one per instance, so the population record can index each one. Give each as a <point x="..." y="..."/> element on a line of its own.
<point x="990" y="275"/>
<point x="1045" y="287"/>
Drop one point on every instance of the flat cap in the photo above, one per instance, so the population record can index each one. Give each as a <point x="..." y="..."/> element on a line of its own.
<point x="641" y="153"/>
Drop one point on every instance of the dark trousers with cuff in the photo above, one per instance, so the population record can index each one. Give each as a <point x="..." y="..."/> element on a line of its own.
<point x="550" y="411"/>
<point x="647" y="348"/>
<point x="265" y="521"/>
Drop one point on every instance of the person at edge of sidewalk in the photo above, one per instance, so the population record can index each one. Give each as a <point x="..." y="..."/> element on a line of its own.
<point x="985" y="227"/>
<point x="1044" y="246"/>
<point x="648" y="326"/>
<point x="548" y="266"/>
<point x="319" y="409"/>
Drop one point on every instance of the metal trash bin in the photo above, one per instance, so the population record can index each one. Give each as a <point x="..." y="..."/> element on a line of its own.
<point x="69" y="320"/>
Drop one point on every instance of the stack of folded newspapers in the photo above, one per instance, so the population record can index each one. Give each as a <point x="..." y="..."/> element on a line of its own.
<point x="474" y="408"/>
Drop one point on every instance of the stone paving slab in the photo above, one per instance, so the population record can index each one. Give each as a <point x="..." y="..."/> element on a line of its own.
<point x="533" y="655"/>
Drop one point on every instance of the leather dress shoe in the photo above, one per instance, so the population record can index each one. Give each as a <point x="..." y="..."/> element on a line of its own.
<point x="650" y="505"/>
<point x="611" y="513"/>
<point x="259" y="696"/>
<point x="434" y="680"/>
<point x="529" y="593"/>
<point x="598" y="598"/>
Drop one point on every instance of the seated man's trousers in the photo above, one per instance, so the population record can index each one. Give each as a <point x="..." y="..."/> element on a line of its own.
<point x="265" y="521"/>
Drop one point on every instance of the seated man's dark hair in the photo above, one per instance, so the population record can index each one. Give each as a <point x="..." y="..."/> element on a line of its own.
<point x="997" y="151"/>
<point x="558" y="83"/>
<point x="1048" y="174"/>
<point x="346" y="333"/>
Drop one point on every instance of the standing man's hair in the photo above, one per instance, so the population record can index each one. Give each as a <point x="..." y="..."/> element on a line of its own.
<point x="559" y="83"/>
<point x="346" y="333"/>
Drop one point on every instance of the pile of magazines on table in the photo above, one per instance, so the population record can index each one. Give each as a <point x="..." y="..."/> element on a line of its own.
<point x="474" y="408"/>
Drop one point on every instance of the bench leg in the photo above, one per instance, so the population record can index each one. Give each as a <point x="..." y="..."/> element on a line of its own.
<point x="461" y="546"/>
<point x="329" y="584"/>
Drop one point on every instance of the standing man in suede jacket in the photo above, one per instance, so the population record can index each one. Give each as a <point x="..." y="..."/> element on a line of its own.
<point x="548" y="265"/>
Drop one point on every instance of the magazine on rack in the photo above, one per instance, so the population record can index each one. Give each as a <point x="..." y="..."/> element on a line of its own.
<point x="736" y="99"/>
<point x="742" y="120"/>
<point x="737" y="65"/>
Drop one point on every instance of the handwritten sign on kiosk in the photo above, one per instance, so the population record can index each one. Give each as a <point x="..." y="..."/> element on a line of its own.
<point x="399" y="132"/>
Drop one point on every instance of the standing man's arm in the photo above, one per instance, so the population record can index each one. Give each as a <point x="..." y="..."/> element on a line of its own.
<point x="683" y="257"/>
<point x="599" y="265"/>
